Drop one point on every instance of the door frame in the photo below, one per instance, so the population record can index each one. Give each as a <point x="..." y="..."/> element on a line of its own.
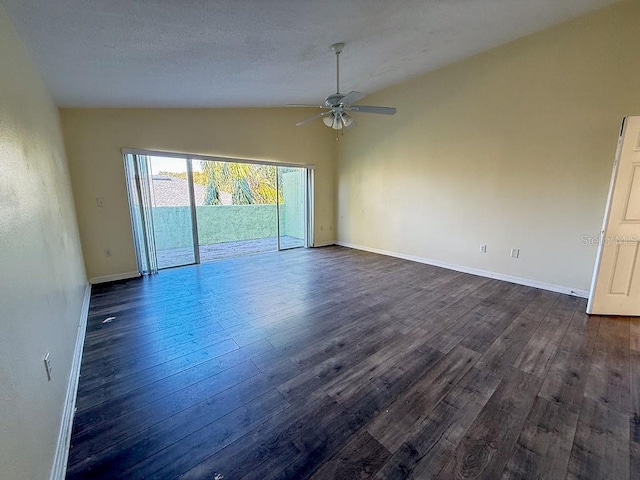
<point x="308" y="194"/>
<point x="192" y="207"/>
<point x="161" y="153"/>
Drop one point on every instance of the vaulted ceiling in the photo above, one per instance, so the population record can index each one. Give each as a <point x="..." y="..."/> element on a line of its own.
<point x="203" y="53"/>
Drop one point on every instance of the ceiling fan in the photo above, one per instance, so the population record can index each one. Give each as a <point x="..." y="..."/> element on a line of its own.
<point x="340" y="106"/>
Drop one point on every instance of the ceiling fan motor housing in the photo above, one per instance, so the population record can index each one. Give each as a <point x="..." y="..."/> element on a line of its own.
<point x="334" y="100"/>
<point x="340" y="104"/>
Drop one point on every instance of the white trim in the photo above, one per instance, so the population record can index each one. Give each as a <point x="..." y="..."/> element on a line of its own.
<point x="159" y="153"/>
<point x="113" y="277"/>
<point x="59" y="469"/>
<point x="310" y="208"/>
<point x="474" y="271"/>
<point x="327" y="244"/>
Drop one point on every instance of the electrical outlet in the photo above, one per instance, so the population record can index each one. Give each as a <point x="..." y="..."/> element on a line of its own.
<point x="107" y="252"/>
<point x="47" y="366"/>
<point x="515" y="253"/>
<point x="483" y="249"/>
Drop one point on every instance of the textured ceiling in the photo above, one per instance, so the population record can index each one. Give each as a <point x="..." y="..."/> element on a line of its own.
<point x="204" y="53"/>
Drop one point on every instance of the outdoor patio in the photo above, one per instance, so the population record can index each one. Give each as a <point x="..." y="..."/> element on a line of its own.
<point x="209" y="253"/>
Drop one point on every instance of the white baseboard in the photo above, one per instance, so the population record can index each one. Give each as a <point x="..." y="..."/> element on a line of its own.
<point x="474" y="271"/>
<point x="324" y="244"/>
<point x="113" y="277"/>
<point x="59" y="469"/>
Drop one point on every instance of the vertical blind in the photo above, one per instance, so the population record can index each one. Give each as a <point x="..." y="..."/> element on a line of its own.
<point x="138" y="173"/>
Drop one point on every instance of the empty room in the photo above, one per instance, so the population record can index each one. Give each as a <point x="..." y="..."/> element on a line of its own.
<point x="319" y="240"/>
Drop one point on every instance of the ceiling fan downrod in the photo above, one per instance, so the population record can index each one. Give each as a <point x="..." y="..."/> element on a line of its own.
<point x="337" y="49"/>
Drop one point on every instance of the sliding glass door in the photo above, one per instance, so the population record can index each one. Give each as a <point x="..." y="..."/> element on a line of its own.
<point x="187" y="210"/>
<point x="172" y="211"/>
<point x="292" y="205"/>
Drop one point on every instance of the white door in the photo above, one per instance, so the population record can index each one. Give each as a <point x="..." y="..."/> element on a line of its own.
<point x="615" y="289"/>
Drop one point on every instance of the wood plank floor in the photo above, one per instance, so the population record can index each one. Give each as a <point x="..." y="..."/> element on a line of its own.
<point x="337" y="364"/>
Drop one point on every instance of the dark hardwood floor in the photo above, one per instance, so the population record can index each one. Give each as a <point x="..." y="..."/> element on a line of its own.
<point x="338" y="364"/>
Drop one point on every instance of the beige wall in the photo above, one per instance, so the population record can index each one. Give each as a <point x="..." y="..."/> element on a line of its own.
<point x="41" y="270"/>
<point x="94" y="139"/>
<point x="512" y="148"/>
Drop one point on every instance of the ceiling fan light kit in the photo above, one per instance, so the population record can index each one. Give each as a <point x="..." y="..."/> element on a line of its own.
<point x="339" y="105"/>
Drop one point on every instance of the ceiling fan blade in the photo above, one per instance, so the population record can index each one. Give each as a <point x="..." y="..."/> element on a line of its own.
<point x="371" y="109"/>
<point x="352" y="97"/>
<point x="296" y="105"/>
<point x="312" y="118"/>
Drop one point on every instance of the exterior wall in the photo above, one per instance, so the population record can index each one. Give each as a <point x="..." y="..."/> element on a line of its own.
<point x="216" y="224"/>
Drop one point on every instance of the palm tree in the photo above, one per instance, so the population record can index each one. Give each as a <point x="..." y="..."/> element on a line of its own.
<point x="246" y="183"/>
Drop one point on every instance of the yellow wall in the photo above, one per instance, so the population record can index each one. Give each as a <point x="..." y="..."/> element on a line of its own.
<point x="94" y="139"/>
<point x="512" y="148"/>
<point x="41" y="270"/>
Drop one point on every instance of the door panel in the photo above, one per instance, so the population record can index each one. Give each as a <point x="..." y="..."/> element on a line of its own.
<point x="292" y="194"/>
<point x="632" y="212"/>
<point x="172" y="212"/>
<point x="615" y="288"/>
<point x="623" y="268"/>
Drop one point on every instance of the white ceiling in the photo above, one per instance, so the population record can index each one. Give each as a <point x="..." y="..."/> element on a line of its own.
<point x="212" y="53"/>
